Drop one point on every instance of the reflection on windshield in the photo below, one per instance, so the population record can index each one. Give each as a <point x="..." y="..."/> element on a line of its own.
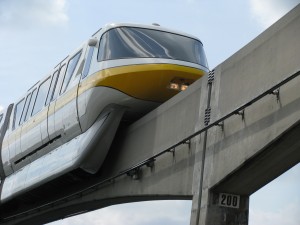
<point x="125" y="42"/>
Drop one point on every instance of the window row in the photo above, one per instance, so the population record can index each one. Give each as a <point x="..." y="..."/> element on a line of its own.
<point x="48" y="91"/>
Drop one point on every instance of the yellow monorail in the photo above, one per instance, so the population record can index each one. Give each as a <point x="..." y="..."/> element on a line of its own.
<point x="68" y="120"/>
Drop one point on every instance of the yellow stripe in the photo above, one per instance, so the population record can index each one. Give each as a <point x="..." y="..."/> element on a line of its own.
<point x="66" y="98"/>
<point x="147" y="82"/>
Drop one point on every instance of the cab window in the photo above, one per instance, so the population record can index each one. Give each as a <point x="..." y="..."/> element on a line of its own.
<point x="133" y="42"/>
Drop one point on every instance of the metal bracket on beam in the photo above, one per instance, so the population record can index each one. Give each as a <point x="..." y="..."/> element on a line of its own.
<point x="188" y="142"/>
<point x="221" y="124"/>
<point x="172" y="150"/>
<point x="150" y="163"/>
<point x="111" y="180"/>
<point x="134" y="173"/>
<point x="276" y="93"/>
<point x="241" y="113"/>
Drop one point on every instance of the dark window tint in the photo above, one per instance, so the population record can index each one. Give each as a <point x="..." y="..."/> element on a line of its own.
<point x="31" y="104"/>
<point x="52" y="87"/>
<point x="1" y="116"/>
<point x="27" y="101"/>
<point x="59" y="81"/>
<point x="129" y="42"/>
<point x="41" y="96"/>
<point x="88" y="62"/>
<point x="18" y="113"/>
<point x="70" y="70"/>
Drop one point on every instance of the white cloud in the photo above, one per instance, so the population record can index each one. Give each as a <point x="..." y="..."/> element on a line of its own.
<point x="266" y="12"/>
<point x="288" y="215"/>
<point x="1" y="108"/>
<point x="29" y="13"/>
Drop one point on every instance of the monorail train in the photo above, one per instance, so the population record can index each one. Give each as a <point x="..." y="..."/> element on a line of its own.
<point x="68" y="119"/>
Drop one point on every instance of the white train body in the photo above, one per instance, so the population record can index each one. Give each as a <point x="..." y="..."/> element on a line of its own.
<point x="68" y="119"/>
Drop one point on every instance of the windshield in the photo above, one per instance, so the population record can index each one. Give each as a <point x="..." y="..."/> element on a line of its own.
<point x="129" y="42"/>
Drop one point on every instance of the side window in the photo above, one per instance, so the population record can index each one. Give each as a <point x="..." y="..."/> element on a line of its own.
<point x="88" y="62"/>
<point x="41" y="96"/>
<point x="32" y="100"/>
<point x="59" y="81"/>
<point x="52" y="87"/>
<point x="25" y="108"/>
<point x="102" y="47"/>
<point x="70" y="70"/>
<point x="17" y="113"/>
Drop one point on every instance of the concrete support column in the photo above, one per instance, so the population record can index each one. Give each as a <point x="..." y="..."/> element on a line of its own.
<point x="200" y="179"/>
<point x="208" y="207"/>
<point x="217" y="208"/>
<point x="228" y="213"/>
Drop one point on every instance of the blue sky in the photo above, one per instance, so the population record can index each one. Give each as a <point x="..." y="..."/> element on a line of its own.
<point x="35" y="35"/>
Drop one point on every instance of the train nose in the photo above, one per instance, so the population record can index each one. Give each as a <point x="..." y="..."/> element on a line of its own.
<point x="150" y="82"/>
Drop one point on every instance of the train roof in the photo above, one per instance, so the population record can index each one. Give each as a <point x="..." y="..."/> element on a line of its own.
<point x="153" y="26"/>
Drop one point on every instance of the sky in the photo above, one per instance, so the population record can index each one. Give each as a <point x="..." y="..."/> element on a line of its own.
<point x="35" y="35"/>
